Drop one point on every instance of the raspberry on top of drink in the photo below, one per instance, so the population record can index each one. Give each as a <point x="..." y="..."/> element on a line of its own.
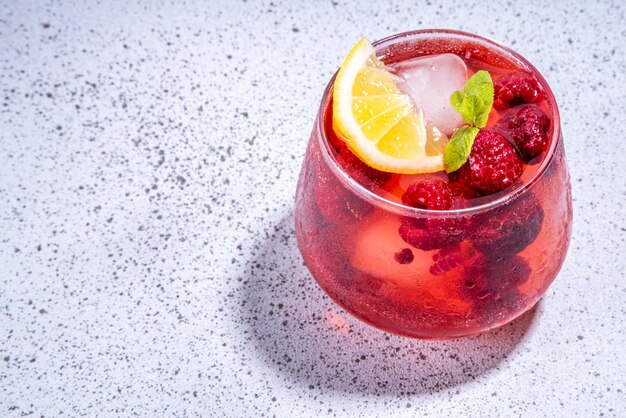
<point x="437" y="132"/>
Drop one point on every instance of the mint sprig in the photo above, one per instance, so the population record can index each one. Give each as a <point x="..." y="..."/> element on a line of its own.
<point x="474" y="104"/>
<point x="458" y="149"/>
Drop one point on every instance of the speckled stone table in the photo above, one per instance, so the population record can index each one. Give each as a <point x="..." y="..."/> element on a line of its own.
<point x="148" y="266"/>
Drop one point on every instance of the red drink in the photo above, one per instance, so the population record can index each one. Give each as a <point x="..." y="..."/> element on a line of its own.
<point x="430" y="273"/>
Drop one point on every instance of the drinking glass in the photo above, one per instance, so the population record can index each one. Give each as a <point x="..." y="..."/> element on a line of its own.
<point x="510" y="249"/>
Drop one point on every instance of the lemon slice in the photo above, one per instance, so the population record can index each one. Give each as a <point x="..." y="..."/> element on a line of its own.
<point x="378" y="121"/>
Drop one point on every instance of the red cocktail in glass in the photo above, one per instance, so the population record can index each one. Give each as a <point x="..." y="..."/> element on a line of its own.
<point x="428" y="273"/>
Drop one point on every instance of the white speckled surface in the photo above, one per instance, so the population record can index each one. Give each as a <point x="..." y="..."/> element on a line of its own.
<point x="148" y="161"/>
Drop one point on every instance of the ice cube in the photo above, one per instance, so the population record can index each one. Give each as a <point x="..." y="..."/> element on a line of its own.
<point x="430" y="81"/>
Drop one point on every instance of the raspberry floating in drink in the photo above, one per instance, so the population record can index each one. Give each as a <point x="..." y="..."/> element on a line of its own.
<point x="423" y="206"/>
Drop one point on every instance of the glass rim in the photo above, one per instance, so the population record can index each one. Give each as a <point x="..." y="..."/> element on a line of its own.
<point x="401" y="209"/>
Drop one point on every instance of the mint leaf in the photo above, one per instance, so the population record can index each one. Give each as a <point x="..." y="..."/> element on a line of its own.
<point x="456" y="100"/>
<point x="482" y="115"/>
<point x="457" y="151"/>
<point x="476" y="100"/>
<point x="480" y="84"/>
<point x="472" y="105"/>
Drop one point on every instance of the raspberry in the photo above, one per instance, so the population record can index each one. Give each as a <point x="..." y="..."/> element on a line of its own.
<point x="361" y="172"/>
<point x="508" y="230"/>
<point x="433" y="233"/>
<point x="449" y="258"/>
<point x="529" y="131"/>
<point x="514" y="89"/>
<point x="434" y="195"/>
<point x="459" y="188"/>
<point x="490" y="286"/>
<point x="493" y="163"/>
<point x="489" y="278"/>
<point x="404" y="256"/>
